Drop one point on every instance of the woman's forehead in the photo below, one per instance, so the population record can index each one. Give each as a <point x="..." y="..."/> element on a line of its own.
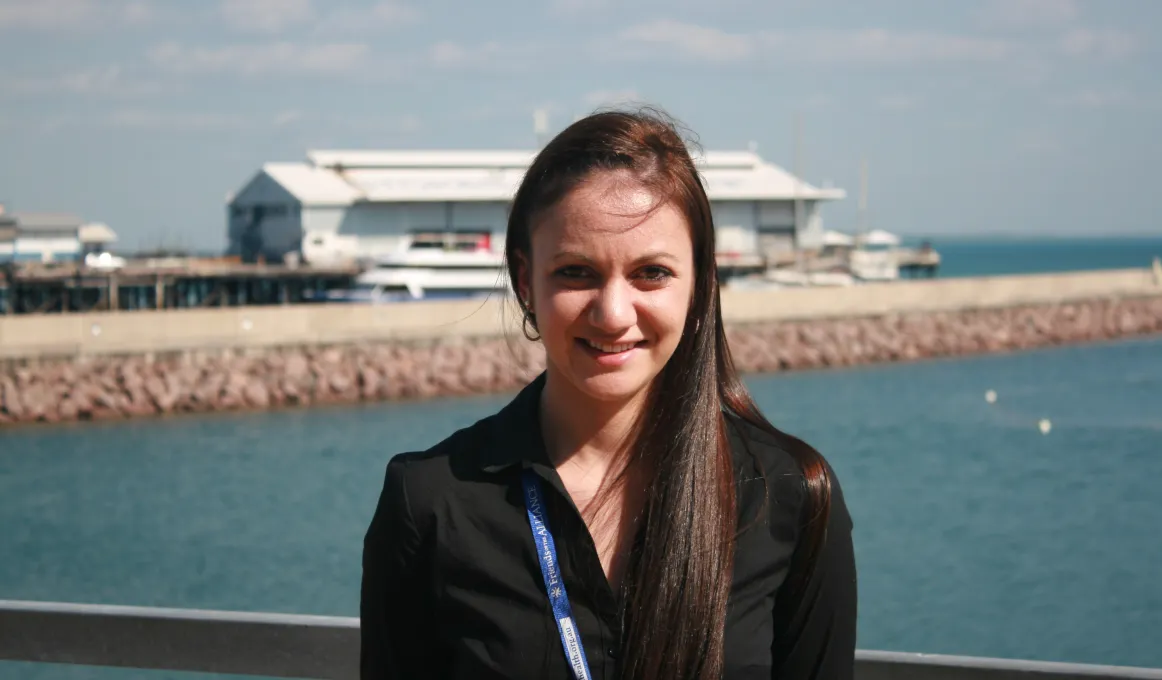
<point x="613" y="227"/>
<point x="610" y="203"/>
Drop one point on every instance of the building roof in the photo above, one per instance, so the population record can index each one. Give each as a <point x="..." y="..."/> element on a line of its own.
<point x="346" y="177"/>
<point x="311" y="184"/>
<point x="47" y="221"/>
<point x="96" y="232"/>
<point x="422" y="159"/>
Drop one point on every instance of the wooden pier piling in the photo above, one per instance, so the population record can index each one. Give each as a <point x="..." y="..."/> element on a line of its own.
<point x="179" y="283"/>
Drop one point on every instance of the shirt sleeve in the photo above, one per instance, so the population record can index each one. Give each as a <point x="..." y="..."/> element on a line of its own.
<point x="818" y="640"/>
<point x="392" y="614"/>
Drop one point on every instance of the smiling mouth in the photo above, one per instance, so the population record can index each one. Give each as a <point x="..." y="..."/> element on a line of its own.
<point x="617" y="348"/>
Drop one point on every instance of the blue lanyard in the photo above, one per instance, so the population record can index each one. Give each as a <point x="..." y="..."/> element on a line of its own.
<point x="554" y="585"/>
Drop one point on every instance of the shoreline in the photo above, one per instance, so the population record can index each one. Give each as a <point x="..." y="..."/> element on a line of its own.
<point x="120" y="387"/>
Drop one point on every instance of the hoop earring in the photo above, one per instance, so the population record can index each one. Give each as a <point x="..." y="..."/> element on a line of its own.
<point x="530" y="321"/>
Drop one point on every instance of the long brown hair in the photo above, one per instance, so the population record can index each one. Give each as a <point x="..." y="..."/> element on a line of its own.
<point x="678" y="581"/>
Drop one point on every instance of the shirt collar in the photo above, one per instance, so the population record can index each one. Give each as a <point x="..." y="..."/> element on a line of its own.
<point x="517" y="437"/>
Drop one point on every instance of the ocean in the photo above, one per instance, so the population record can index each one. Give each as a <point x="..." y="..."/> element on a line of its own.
<point x="962" y="256"/>
<point x="976" y="532"/>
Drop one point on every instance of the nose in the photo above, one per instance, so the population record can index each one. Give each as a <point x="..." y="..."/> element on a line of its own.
<point x="612" y="310"/>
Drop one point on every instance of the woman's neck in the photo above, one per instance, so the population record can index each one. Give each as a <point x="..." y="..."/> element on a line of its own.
<point x="589" y="442"/>
<point x="587" y="433"/>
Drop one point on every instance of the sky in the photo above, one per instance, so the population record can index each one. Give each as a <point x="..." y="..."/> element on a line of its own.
<point x="975" y="117"/>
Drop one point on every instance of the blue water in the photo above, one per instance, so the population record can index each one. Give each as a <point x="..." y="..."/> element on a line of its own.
<point x="975" y="533"/>
<point x="980" y="257"/>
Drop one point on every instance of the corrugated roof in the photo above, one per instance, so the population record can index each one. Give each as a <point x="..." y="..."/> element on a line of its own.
<point x="345" y="177"/>
<point x="421" y="159"/>
<point x="313" y="185"/>
<point x="97" y="232"/>
<point x="437" y="185"/>
<point x="45" y="221"/>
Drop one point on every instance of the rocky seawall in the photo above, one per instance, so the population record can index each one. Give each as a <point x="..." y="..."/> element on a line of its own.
<point x="100" y="388"/>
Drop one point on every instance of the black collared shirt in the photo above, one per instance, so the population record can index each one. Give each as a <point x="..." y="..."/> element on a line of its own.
<point x="452" y="587"/>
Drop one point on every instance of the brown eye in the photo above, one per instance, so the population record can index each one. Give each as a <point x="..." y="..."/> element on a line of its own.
<point x="655" y="273"/>
<point x="571" y="272"/>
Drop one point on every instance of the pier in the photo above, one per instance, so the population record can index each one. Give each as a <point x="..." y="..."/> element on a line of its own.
<point x="918" y="262"/>
<point x="327" y="647"/>
<point x="162" y="283"/>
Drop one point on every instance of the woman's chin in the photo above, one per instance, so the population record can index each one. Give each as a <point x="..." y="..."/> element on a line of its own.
<point x="617" y="386"/>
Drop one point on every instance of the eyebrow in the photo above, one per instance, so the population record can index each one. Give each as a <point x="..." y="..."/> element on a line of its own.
<point x="645" y="257"/>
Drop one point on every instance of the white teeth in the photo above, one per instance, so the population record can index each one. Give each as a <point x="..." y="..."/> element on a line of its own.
<point x="612" y="349"/>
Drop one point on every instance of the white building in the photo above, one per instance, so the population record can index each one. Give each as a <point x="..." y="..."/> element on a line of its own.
<point x="350" y="205"/>
<point x="49" y="237"/>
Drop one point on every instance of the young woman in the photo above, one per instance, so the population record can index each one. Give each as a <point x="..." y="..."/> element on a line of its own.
<point x="630" y="513"/>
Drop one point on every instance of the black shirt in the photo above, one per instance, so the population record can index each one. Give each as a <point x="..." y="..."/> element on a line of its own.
<point x="452" y="587"/>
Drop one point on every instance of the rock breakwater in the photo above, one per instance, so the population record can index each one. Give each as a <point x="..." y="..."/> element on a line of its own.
<point x="100" y="388"/>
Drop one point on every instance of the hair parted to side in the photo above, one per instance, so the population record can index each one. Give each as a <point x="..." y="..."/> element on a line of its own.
<point x="678" y="581"/>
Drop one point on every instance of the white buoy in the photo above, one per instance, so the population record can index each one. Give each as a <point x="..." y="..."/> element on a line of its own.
<point x="1045" y="426"/>
<point x="991" y="396"/>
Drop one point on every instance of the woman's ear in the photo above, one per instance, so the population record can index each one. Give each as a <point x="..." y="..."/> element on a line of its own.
<point x="523" y="281"/>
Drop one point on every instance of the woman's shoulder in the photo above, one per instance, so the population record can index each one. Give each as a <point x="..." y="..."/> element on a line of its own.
<point x="467" y="457"/>
<point x="761" y="452"/>
<point x="774" y="462"/>
<point x="426" y="474"/>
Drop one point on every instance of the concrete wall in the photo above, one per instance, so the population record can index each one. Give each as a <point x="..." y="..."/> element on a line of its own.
<point x="257" y="327"/>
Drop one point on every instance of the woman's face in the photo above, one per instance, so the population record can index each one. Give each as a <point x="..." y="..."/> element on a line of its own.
<point x="610" y="283"/>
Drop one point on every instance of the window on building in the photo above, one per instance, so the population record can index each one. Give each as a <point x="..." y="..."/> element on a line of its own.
<point x="463" y="240"/>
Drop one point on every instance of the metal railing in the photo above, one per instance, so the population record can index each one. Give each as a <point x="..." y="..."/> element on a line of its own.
<point x="327" y="648"/>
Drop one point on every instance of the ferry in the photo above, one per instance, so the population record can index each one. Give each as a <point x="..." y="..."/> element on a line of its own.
<point x="427" y="274"/>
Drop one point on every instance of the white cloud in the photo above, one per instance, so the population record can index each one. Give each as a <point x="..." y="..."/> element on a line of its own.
<point x="73" y="15"/>
<point x="287" y="117"/>
<point x="669" y="39"/>
<point x="490" y="56"/>
<point x="1029" y="13"/>
<point x="885" y="46"/>
<point x="813" y="102"/>
<point x="600" y="98"/>
<point x="900" y="102"/>
<point x="265" y="16"/>
<point x="110" y="80"/>
<point x="138" y="119"/>
<point x="146" y="119"/>
<point x="1039" y="141"/>
<point x="1099" y="99"/>
<point x="280" y="58"/>
<point x="378" y="15"/>
<point x="1100" y="43"/>
<point x="323" y="18"/>
<point x="575" y="7"/>
<point x="668" y="35"/>
<point x="329" y="122"/>
<point x="153" y="119"/>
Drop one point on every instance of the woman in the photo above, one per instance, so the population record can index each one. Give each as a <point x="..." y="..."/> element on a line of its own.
<point x="630" y="514"/>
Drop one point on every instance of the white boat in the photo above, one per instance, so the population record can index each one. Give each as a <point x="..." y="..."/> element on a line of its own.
<point x="875" y="257"/>
<point x="426" y="273"/>
<point x="786" y="278"/>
